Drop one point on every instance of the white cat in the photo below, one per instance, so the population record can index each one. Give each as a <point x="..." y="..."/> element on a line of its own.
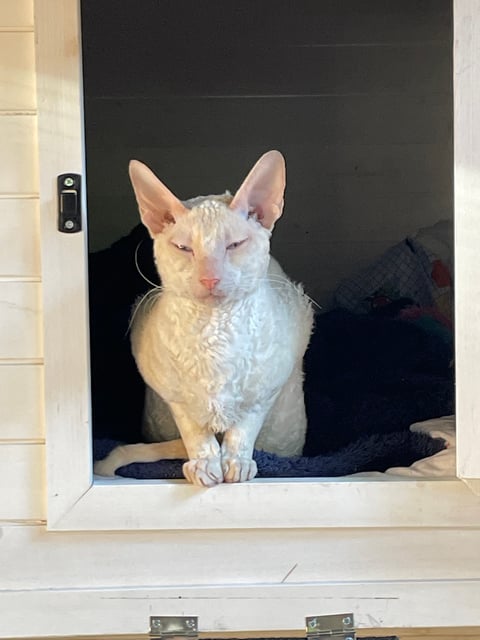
<point x="221" y="346"/>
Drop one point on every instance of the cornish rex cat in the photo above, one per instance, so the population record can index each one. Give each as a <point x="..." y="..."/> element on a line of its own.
<point x="221" y="343"/>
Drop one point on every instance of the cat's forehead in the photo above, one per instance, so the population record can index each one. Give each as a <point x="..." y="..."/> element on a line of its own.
<point x="210" y="218"/>
<point x="222" y="198"/>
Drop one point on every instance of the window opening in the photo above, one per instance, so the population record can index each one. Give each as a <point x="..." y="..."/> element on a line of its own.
<point x="359" y="101"/>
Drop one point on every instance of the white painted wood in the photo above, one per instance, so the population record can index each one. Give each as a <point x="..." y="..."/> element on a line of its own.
<point x="343" y="502"/>
<point x="467" y="233"/>
<point x="250" y="607"/>
<point x="22" y="482"/>
<point x="21" y="400"/>
<point x="19" y="238"/>
<point x="16" y="13"/>
<point x="75" y="504"/>
<point x="18" y="154"/>
<point x="110" y="582"/>
<point x="60" y="122"/>
<point x="20" y="313"/>
<point x="17" y="71"/>
<point x="296" y="556"/>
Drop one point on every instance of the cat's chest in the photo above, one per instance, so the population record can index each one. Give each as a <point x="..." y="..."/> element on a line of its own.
<point x="231" y="348"/>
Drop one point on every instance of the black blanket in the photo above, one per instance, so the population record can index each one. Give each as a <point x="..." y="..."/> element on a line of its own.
<point x="368" y="453"/>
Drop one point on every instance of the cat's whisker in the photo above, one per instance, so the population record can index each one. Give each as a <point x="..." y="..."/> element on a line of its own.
<point x="138" y="267"/>
<point x="153" y="295"/>
<point x="278" y="279"/>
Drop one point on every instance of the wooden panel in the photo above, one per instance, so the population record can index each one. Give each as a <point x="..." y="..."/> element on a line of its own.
<point x="17" y="71"/>
<point x="152" y="558"/>
<point x="306" y="22"/>
<point x="16" y="14"/>
<point x="467" y="232"/>
<point x="315" y="42"/>
<point x="383" y="501"/>
<point x="20" y="238"/>
<point x="20" y="315"/>
<point x="231" y="124"/>
<point x="223" y="609"/>
<point x="18" y="154"/>
<point x="272" y="68"/>
<point x="64" y="264"/>
<point x="21" y="399"/>
<point x="22" y="482"/>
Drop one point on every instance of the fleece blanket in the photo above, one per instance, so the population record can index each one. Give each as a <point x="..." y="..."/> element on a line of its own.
<point x="368" y="453"/>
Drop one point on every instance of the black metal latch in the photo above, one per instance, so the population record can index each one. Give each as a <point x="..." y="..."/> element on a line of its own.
<point x="69" y="202"/>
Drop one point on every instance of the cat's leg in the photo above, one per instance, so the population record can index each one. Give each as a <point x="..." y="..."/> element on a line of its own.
<point x="284" y="430"/>
<point x="128" y="453"/>
<point x="237" y="449"/>
<point x="204" y="465"/>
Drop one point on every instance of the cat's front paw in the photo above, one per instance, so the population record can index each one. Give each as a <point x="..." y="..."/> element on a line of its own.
<point x="204" y="472"/>
<point x="237" y="469"/>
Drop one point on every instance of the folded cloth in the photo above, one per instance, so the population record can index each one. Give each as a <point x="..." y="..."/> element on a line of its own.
<point x="443" y="463"/>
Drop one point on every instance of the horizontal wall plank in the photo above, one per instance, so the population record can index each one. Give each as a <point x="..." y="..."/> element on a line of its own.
<point x="233" y="123"/>
<point x="117" y="611"/>
<point x="300" y="556"/>
<point x="316" y="48"/>
<point x="20" y="238"/>
<point x="21" y="399"/>
<point x="308" y="23"/>
<point x="16" y="14"/>
<point x="264" y="69"/>
<point x="20" y="313"/>
<point x="18" y="155"/>
<point x="17" y="71"/>
<point x="22" y="482"/>
<point x="375" y="169"/>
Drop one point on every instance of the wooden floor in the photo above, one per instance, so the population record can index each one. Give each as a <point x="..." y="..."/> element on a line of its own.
<point x="459" y="633"/>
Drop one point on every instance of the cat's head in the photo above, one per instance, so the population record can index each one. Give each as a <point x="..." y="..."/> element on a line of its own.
<point x="216" y="247"/>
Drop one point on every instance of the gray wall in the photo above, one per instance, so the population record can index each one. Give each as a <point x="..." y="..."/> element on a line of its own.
<point x="357" y="94"/>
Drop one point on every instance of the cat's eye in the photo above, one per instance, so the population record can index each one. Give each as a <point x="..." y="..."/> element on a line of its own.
<point x="183" y="247"/>
<point x="235" y="245"/>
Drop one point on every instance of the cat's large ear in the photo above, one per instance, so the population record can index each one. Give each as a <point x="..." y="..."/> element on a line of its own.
<point x="262" y="190"/>
<point x="157" y="204"/>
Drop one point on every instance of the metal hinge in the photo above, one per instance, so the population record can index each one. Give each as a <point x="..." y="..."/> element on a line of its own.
<point x="335" y="627"/>
<point x="173" y="627"/>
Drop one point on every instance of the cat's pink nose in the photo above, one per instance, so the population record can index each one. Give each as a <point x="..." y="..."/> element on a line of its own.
<point x="210" y="283"/>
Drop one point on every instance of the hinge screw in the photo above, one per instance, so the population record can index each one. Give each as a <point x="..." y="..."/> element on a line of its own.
<point x="69" y="224"/>
<point x="69" y="182"/>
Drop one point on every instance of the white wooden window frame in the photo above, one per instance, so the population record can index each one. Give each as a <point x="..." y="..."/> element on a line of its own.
<point x="76" y="502"/>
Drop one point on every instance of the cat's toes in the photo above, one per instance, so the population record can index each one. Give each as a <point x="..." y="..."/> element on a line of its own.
<point x="105" y="467"/>
<point x="238" y="469"/>
<point x="204" y="472"/>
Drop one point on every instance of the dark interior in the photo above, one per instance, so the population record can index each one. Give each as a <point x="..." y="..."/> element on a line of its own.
<point x="358" y="97"/>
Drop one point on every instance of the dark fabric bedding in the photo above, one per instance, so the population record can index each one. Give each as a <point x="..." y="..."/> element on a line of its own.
<point x="364" y="375"/>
